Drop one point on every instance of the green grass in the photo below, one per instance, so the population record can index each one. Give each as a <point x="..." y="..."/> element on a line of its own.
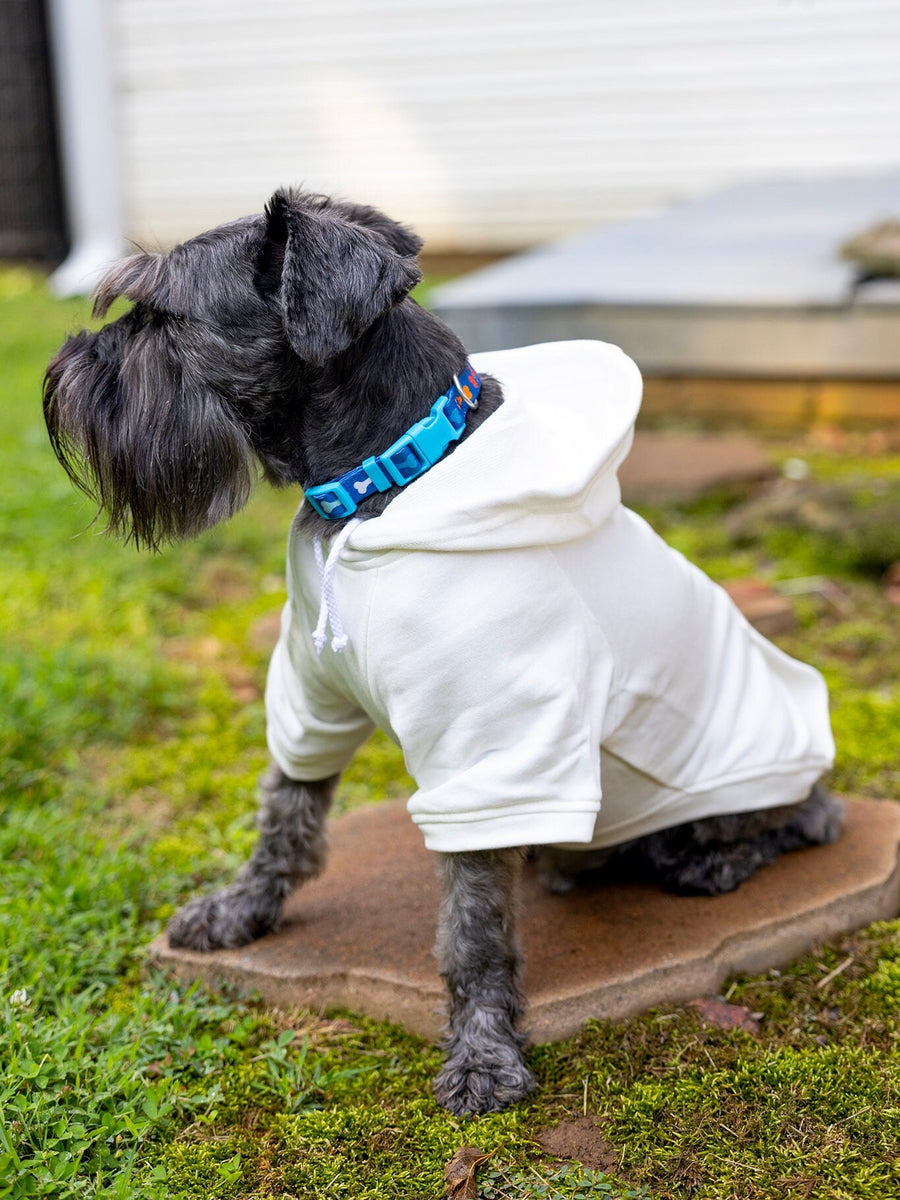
<point x="131" y="738"/>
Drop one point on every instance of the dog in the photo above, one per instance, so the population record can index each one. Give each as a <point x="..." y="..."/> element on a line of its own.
<point x="491" y="604"/>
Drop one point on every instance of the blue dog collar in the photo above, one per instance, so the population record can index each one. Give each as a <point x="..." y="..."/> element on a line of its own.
<point x="424" y="444"/>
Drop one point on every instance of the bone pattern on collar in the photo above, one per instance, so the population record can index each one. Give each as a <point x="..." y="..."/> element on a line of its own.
<point x="410" y="456"/>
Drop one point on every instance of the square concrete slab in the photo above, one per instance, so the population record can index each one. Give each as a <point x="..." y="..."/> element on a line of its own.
<point x="361" y="936"/>
<point x="757" y="244"/>
<point x="746" y="282"/>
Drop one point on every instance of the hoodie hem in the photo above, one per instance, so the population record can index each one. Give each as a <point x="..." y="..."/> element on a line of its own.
<point x="777" y="787"/>
<point x="499" y="832"/>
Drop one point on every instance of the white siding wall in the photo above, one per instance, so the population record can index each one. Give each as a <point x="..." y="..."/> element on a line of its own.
<point x="493" y="123"/>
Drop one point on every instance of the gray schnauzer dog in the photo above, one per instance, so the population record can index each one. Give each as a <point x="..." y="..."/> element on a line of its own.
<point x="288" y="340"/>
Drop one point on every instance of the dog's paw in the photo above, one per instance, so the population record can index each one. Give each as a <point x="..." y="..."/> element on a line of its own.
<point x="231" y="917"/>
<point x="468" y="1088"/>
<point x="560" y="883"/>
<point x="821" y="818"/>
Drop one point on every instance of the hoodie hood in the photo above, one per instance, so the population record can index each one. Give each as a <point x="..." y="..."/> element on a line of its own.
<point x="540" y="471"/>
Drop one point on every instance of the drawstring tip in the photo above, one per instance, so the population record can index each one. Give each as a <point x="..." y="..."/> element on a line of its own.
<point x="328" y="609"/>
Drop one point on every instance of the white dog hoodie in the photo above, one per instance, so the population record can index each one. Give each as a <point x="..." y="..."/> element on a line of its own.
<point x="552" y="670"/>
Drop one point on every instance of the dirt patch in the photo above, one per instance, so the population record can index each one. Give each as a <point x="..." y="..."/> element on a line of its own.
<point x="149" y="806"/>
<point x="579" y="1139"/>
<point x="219" y="655"/>
<point x="226" y="583"/>
<point x="264" y="631"/>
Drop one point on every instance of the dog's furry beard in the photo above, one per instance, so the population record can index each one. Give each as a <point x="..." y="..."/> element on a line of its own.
<point x="154" y="415"/>
<point x="157" y="449"/>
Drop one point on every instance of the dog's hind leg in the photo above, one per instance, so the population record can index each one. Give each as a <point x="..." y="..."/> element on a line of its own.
<point x="291" y="848"/>
<point x="481" y="965"/>
<point x="717" y="854"/>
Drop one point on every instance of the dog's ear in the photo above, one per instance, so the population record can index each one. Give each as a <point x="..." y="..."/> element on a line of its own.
<point x="137" y="278"/>
<point x="398" y="237"/>
<point x="337" y="277"/>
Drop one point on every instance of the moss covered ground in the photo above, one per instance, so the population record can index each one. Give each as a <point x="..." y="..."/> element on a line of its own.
<point x="131" y="737"/>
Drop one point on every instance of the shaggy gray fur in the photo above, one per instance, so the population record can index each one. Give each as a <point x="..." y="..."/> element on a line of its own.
<point x="290" y="850"/>
<point x="481" y="965"/>
<point x="287" y="341"/>
<point x="707" y="857"/>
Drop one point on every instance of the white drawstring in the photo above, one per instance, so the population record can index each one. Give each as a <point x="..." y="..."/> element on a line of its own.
<point x="328" y="609"/>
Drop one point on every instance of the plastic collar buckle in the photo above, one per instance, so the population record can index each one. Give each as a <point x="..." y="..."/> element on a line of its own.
<point x="413" y="453"/>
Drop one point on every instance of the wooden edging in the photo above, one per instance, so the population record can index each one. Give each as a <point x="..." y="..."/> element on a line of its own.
<point x="776" y="403"/>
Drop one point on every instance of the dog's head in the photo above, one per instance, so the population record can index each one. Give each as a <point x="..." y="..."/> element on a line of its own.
<point x="163" y="415"/>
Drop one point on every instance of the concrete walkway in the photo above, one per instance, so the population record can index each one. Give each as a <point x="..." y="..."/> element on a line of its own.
<point x="361" y="936"/>
<point x="745" y="282"/>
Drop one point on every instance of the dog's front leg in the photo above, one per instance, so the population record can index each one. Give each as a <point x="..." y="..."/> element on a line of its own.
<point x="481" y="966"/>
<point x="291" y="849"/>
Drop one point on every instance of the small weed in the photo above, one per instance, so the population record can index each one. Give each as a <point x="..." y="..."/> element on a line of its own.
<point x="567" y="1182"/>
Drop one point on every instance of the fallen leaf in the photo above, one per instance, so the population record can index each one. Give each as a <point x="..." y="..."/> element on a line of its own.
<point x="459" y="1173"/>
<point x="713" y="1010"/>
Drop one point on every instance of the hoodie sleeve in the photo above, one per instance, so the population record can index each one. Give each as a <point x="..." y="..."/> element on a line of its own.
<point x="312" y="730"/>
<point x="495" y="682"/>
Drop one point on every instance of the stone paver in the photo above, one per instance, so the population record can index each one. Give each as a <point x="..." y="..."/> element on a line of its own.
<point x="763" y="607"/>
<point x="360" y="937"/>
<point x="667" y="466"/>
